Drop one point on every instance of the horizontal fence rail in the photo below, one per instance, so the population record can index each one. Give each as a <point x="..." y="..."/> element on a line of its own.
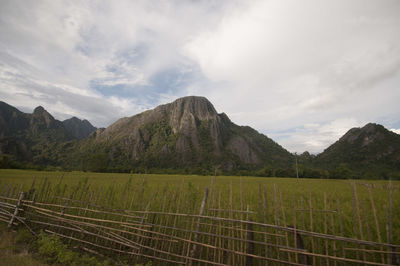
<point x="159" y="227"/>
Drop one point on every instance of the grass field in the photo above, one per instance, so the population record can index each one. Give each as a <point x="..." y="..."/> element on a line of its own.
<point x="271" y="199"/>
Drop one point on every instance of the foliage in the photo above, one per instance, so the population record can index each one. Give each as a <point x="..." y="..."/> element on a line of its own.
<point x="53" y="251"/>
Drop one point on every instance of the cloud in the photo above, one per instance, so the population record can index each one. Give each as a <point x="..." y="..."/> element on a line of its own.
<point x="291" y="63"/>
<point x="23" y="90"/>
<point x="397" y="131"/>
<point x="311" y="137"/>
<point x="282" y="67"/>
<point x="110" y="56"/>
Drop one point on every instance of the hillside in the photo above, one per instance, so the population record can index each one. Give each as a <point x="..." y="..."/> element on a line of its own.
<point x="30" y="137"/>
<point x="370" y="149"/>
<point x="34" y="139"/>
<point x="187" y="134"/>
<point x="78" y="128"/>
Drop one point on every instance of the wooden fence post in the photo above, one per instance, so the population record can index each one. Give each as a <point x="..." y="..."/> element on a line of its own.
<point x="17" y="207"/>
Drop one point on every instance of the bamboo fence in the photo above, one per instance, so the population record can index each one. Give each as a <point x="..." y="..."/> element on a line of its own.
<point x="160" y="228"/>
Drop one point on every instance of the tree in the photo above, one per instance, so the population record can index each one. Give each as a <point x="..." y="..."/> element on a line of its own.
<point x="98" y="162"/>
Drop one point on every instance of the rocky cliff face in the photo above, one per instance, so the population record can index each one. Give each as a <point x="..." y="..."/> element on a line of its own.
<point x="11" y="120"/>
<point x="30" y="137"/>
<point x="188" y="131"/>
<point x="78" y="128"/>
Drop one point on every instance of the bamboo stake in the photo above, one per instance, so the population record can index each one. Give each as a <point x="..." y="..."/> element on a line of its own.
<point x="326" y="228"/>
<point x="166" y="221"/>
<point x="295" y="229"/>
<point x="389" y="259"/>
<point x="231" y="244"/>
<point x="250" y="246"/>
<point x="43" y="184"/>
<point x="196" y="236"/>
<point x="89" y="233"/>
<point x="190" y="231"/>
<point x="312" y="228"/>
<point x="97" y="226"/>
<point x="116" y="250"/>
<point x="7" y="191"/>
<point x="340" y="224"/>
<point x="378" y="233"/>
<point x="158" y="219"/>
<point x="358" y="216"/>
<point x="17" y="208"/>
<point x="284" y="223"/>
<point x="333" y="231"/>
<point x="241" y="244"/>
<point x="364" y="217"/>
<point x="64" y="207"/>
<point x="390" y="212"/>
<point x="266" y="220"/>
<point x="276" y="219"/>
<point x="141" y="239"/>
<point x="211" y="240"/>
<point x="181" y="199"/>
<point x="287" y="229"/>
<point x="302" y="214"/>
<point x="14" y="188"/>
<point x="79" y="217"/>
<point x="220" y="257"/>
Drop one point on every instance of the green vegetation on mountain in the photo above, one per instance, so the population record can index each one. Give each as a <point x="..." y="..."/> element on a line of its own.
<point x="185" y="136"/>
<point x="30" y="138"/>
<point x="78" y="128"/>
<point x="368" y="151"/>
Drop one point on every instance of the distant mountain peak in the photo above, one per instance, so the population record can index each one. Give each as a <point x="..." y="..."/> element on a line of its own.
<point x="198" y="106"/>
<point x="39" y="110"/>
<point x="368" y="134"/>
<point x="78" y="128"/>
<point x="364" y="147"/>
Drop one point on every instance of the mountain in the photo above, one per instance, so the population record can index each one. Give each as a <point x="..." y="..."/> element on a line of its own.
<point x="78" y="128"/>
<point x="185" y="134"/>
<point x="371" y="148"/>
<point x="31" y="138"/>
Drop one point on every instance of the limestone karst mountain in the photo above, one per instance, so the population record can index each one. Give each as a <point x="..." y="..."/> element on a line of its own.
<point x="185" y="133"/>
<point x="185" y="136"/>
<point x="78" y="128"/>
<point x="371" y="148"/>
<point x="30" y="137"/>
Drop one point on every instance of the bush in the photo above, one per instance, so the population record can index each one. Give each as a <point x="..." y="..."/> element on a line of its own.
<point x="54" y="251"/>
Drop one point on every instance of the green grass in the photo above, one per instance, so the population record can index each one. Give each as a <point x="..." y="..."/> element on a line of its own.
<point x="116" y="191"/>
<point x="14" y="252"/>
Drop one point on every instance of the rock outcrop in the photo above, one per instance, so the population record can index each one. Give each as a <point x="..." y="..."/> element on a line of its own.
<point x="78" y="128"/>
<point x="188" y="131"/>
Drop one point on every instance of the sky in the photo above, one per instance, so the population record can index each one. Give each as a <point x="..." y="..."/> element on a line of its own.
<point x="300" y="72"/>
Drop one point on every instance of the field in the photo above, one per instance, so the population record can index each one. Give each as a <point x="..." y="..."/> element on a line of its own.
<point x="360" y="209"/>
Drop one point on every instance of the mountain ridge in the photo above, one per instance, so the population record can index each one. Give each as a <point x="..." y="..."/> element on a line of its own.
<point x="78" y="128"/>
<point x="186" y="132"/>
<point x="187" y="135"/>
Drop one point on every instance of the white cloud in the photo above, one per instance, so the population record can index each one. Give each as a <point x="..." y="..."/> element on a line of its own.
<point x="292" y="67"/>
<point x="397" y="131"/>
<point x="313" y="137"/>
<point x="290" y="63"/>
